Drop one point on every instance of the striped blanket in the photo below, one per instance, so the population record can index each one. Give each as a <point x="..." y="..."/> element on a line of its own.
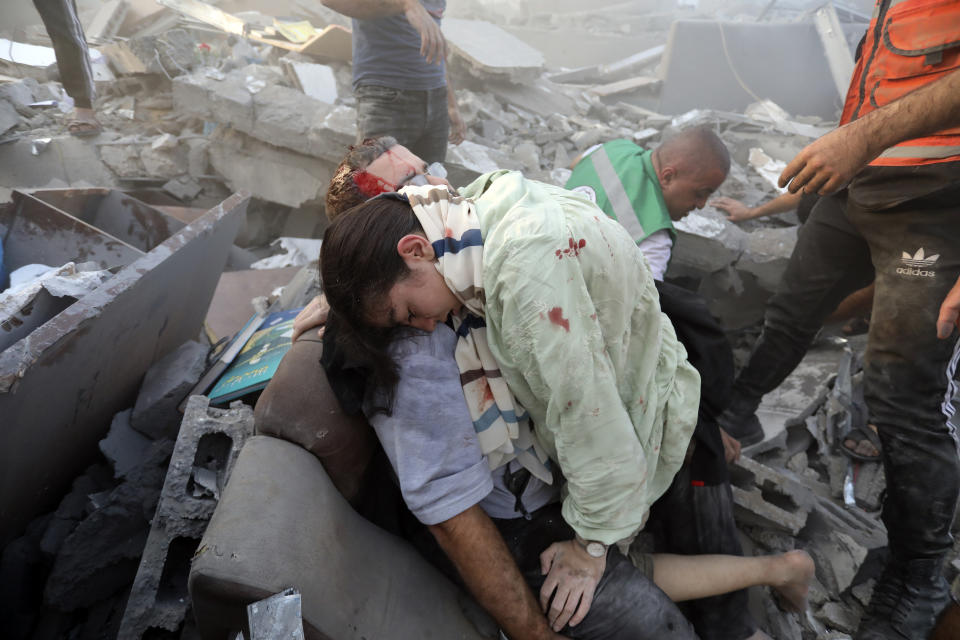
<point x="502" y="425"/>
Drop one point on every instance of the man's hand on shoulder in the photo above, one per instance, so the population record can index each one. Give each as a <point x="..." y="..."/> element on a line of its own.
<point x="572" y="578"/>
<point x="432" y="45"/>
<point x="313" y="315"/>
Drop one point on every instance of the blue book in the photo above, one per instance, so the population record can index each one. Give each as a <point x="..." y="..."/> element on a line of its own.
<point x="258" y="360"/>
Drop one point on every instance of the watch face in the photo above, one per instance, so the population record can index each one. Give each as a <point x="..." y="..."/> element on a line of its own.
<point x="596" y="549"/>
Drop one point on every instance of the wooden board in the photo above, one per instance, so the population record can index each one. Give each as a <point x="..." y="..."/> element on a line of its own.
<point x="332" y="43"/>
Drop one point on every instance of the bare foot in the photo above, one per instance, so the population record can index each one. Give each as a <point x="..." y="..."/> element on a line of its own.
<point x="796" y="573"/>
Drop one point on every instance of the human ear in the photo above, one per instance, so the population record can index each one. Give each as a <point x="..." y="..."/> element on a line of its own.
<point x="667" y="175"/>
<point x="415" y="247"/>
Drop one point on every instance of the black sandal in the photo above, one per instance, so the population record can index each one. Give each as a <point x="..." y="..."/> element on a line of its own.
<point x="859" y="434"/>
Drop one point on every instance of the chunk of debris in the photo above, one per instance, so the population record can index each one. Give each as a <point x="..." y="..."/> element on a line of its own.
<point x="164" y="387"/>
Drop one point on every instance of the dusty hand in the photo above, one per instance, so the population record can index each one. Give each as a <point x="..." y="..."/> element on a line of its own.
<point x="432" y="45"/>
<point x="313" y="315"/>
<point x="736" y="211"/>
<point x="949" y="313"/>
<point x="458" y="130"/>
<point x="828" y="163"/>
<point x="731" y="446"/>
<point x="573" y="574"/>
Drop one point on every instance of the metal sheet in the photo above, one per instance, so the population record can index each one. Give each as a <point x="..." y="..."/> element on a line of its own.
<point x="60" y="386"/>
<point x="39" y="233"/>
<point x="116" y="213"/>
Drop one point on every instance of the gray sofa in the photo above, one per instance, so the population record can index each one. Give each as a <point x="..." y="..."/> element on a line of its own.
<point x="283" y="521"/>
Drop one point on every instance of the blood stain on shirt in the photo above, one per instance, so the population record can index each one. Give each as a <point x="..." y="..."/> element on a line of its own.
<point x="556" y="317"/>
<point x="572" y="249"/>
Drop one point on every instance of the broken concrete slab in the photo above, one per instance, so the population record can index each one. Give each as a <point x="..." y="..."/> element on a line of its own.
<point x="480" y="158"/>
<point x="124" y="447"/>
<point x="162" y="162"/>
<point x="208" y="439"/>
<point x="9" y="118"/>
<point x="70" y="160"/>
<point x="706" y="244"/>
<point x="268" y="172"/>
<point x="164" y="387"/>
<point x="95" y="353"/>
<point x="99" y="558"/>
<point x="490" y="50"/>
<point x="183" y="188"/>
<point x="106" y="22"/>
<point x="766" y="497"/>
<point x="644" y="83"/>
<point x="613" y="71"/>
<point x="713" y="65"/>
<point x="837" y="616"/>
<point x="869" y="485"/>
<point x="277" y="115"/>
<point x="123" y="159"/>
<point x="835" y="47"/>
<point x="315" y="80"/>
<point x="541" y="96"/>
<point x="71" y="510"/>
<point x="766" y="253"/>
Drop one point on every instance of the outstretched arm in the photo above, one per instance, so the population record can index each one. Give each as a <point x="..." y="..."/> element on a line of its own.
<point x="477" y="550"/>
<point x="831" y="161"/>
<point x="432" y="44"/>
<point x="738" y="212"/>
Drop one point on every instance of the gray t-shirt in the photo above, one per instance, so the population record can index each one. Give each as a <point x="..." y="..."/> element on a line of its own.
<point x="431" y="443"/>
<point x="386" y="52"/>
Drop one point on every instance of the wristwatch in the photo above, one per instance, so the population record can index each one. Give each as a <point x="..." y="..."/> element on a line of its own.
<point x="593" y="548"/>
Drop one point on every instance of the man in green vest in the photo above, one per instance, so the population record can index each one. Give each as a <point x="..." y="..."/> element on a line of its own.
<point x="647" y="190"/>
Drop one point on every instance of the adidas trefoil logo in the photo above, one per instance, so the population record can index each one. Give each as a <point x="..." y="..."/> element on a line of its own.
<point x="917" y="264"/>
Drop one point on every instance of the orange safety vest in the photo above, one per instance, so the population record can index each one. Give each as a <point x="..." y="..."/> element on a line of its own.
<point x="909" y="43"/>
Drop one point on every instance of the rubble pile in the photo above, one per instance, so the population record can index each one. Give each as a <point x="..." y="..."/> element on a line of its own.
<point x="198" y="104"/>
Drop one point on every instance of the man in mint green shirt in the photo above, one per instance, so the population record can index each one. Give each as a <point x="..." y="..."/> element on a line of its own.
<point x="647" y="190"/>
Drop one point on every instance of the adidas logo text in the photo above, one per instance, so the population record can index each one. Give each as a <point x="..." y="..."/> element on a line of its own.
<point x="918" y="264"/>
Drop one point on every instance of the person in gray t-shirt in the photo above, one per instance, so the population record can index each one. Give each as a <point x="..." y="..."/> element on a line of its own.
<point x="399" y="75"/>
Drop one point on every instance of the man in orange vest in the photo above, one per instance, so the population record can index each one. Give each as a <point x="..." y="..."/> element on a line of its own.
<point x="899" y="220"/>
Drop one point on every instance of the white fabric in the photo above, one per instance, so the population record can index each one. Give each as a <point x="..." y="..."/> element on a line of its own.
<point x="657" y="248"/>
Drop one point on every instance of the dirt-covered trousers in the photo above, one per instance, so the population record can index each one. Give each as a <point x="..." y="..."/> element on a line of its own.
<point x="73" y="62"/>
<point x="904" y="227"/>
<point x="627" y="605"/>
<point x="417" y="119"/>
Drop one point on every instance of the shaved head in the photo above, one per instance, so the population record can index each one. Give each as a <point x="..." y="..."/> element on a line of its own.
<point x="690" y="166"/>
<point x="699" y="148"/>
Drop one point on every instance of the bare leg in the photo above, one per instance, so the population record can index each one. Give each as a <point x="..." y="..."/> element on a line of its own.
<point x="693" y="577"/>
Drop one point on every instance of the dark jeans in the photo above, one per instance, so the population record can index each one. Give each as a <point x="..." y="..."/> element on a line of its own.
<point x="70" y="46"/>
<point x="626" y="606"/>
<point x="417" y="119"/>
<point x="830" y="261"/>
<point x="908" y="372"/>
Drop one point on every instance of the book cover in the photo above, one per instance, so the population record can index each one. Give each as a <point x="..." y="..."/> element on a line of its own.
<point x="258" y="360"/>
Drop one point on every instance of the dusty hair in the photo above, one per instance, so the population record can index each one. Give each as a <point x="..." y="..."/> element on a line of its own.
<point x="345" y="190"/>
<point x="359" y="264"/>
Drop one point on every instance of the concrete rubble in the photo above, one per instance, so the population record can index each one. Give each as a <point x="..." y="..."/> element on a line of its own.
<point x="196" y="106"/>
